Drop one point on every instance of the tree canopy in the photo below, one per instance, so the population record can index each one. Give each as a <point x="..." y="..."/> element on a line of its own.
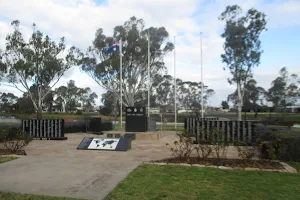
<point x="105" y="68"/>
<point x="285" y="89"/>
<point x="39" y="61"/>
<point x="242" y="47"/>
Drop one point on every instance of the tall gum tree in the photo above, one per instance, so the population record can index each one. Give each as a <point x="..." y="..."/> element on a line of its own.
<point x="40" y="62"/>
<point x="105" y="68"/>
<point x="242" y="48"/>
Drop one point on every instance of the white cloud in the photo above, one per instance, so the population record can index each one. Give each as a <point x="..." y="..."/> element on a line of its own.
<point x="78" y="21"/>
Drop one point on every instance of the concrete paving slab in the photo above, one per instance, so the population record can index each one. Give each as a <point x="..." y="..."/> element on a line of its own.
<point x="70" y="177"/>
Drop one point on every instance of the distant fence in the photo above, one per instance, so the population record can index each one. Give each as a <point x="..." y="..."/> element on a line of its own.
<point x="44" y="128"/>
<point x="233" y="130"/>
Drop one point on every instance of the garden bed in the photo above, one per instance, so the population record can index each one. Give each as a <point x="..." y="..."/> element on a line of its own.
<point x="234" y="163"/>
<point x="6" y="152"/>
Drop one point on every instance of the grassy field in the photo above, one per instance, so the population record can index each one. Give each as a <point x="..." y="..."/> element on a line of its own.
<point x="168" y="127"/>
<point x="61" y="116"/>
<point x="174" y="182"/>
<point x="18" y="196"/>
<point x="6" y="159"/>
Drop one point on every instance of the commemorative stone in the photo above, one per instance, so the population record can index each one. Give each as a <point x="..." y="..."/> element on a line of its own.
<point x="136" y="119"/>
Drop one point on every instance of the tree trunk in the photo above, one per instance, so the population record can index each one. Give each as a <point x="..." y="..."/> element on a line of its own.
<point x="39" y="113"/>
<point x="240" y="102"/>
<point x="39" y="109"/>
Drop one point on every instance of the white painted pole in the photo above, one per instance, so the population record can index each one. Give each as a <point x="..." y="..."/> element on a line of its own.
<point x="175" y="86"/>
<point x="121" y="88"/>
<point x="201" y="77"/>
<point x="148" y="75"/>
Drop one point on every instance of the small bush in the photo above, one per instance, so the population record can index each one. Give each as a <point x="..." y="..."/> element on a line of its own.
<point x="15" y="140"/>
<point x="183" y="148"/>
<point x="290" y="147"/>
<point x="204" y="147"/>
<point x="245" y="151"/>
<point x="220" y="145"/>
<point x="270" y="147"/>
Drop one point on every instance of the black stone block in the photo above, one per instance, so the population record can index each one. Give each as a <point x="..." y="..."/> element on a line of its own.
<point x="130" y="136"/>
<point x="136" y="120"/>
<point x="84" y="144"/>
<point x="124" y="144"/>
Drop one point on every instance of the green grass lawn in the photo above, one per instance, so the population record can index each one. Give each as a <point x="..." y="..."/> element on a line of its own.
<point x="175" y="182"/>
<point x="18" y="196"/>
<point x="168" y="127"/>
<point x="6" y="159"/>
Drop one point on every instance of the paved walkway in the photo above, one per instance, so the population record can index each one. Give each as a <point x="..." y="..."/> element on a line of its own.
<point x="57" y="168"/>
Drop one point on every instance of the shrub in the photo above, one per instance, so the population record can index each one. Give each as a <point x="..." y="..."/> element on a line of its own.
<point x="245" y="151"/>
<point x="204" y="147"/>
<point x="270" y="147"/>
<point x="182" y="148"/>
<point x="15" y="140"/>
<point x="75" y="126"/>
<point x="290" y="147"/>
<point x="278" y="143"/>
<point x="220" y="145"/>
<point x="79" y="126"/>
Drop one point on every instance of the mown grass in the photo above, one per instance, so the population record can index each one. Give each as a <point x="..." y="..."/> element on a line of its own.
<point x="167" y="127"/>
<point x="177" y="182"/>
<point x="6" y="159"/>
<point x="19" y="196"/>
<point x="70" y="116"/>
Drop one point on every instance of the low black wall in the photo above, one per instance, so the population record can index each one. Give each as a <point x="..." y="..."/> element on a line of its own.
<point x="44" y="128"/>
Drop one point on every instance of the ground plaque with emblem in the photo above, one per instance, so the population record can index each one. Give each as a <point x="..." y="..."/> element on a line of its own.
<point x="136" y="119"/>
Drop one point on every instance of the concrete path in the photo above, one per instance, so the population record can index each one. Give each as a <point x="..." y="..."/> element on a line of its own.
<point x="57" y="168"/>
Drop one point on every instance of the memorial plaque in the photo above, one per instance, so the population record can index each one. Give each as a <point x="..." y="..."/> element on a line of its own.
<point x="112" y="144"/>
<point x="136" y="120"/>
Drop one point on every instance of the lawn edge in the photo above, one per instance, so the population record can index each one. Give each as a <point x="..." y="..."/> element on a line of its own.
<point x="287" y="167"/>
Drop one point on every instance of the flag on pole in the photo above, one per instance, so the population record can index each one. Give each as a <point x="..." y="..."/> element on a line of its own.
<point x="112" y="49"/>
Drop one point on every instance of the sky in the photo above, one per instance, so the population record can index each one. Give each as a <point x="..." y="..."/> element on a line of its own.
<point x="78" y="20"/>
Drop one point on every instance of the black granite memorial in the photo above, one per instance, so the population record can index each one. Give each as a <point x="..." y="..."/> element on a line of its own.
<point x="95" y="125"/>
<point x="108" y="144"/>
<point x="44" y="129"/>
<point x="136" y="119"/>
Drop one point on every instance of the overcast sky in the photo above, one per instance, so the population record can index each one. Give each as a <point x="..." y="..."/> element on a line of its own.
<point x="78" y="21"/>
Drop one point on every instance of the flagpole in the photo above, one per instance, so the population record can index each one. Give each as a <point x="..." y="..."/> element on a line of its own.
<point x="175" y="86"/>
<point x="121" y="98"/>
<point x="148" y="75"/>
<point x="201" y="76"/>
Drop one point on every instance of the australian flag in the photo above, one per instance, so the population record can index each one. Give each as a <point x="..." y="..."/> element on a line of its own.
<point x="112" y="49"/>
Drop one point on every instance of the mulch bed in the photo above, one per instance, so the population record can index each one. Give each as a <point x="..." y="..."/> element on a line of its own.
<point x="234" y="163"/>
<point x="19" y="152"/>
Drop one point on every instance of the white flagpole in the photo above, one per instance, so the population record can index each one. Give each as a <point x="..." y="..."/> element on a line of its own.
<point x="175" y="86"/>
<point x="201" y="76"/>
<point x="121" y="98"/>
<point x="148" y="75"/>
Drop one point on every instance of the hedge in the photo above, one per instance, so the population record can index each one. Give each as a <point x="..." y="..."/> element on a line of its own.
<point x="290" y="146"/>
<point x="285" y="143"/>
<point x="82" y="126"/>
